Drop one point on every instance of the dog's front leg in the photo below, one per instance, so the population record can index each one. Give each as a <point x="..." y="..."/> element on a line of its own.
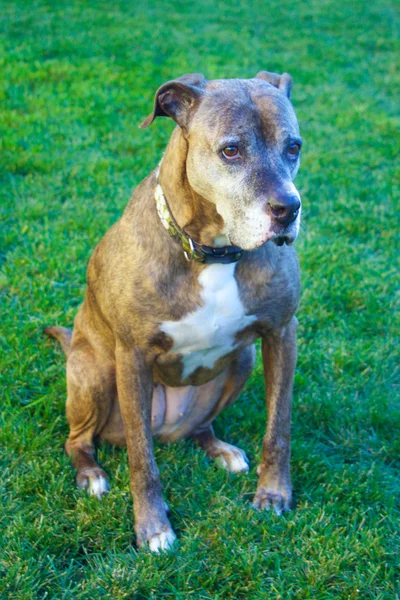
<point x="135" y="391"/>
<point x="279" y="357"/>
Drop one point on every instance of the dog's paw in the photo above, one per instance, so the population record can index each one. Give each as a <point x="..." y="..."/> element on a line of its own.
<point x="230" y="458"/>
<point x="277" y="500"/>
<point x="162" y="542"/>
<point x="94" y="480"/>
<point x="154" y="531"/>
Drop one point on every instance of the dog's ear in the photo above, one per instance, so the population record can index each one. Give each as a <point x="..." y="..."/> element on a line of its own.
<point x="282" y="82"/>
<point x="177" y="99"/>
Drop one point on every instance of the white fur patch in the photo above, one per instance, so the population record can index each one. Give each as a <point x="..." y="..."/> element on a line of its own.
<point x="162" y="541"/>
<point x="247" y="224"/>
<point x="253" y="227"/>
<point x="207" y="334"/>
<point x="98" y="486"/>
<point x="233" y="459"/>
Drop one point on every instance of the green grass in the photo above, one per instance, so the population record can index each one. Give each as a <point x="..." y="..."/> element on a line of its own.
<point x="76" y="80"/>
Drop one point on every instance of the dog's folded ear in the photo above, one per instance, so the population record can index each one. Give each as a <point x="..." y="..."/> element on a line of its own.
<point x="177" y="99"/>
<point x="282" y="82"/>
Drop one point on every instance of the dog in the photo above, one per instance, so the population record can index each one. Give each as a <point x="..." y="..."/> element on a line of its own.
<point x="200" y="265"/>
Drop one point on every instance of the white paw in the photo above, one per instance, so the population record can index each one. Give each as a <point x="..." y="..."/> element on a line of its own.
<point x="232" y="459"/>
<point x="94" y="480"/>
<point x="269" y="499"/>
<point x="161" y="542"/>
<point x="98" y="486"/>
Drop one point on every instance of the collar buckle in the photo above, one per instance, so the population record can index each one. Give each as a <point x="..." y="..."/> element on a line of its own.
<point x="189" y="257"/>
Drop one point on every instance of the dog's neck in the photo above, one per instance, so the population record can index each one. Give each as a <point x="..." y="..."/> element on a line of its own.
<point x="193" y="213"/>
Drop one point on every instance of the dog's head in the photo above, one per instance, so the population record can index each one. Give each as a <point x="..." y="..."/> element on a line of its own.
<point x="243" y="151"/>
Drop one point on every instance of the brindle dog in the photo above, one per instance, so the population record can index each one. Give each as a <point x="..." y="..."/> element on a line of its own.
<point x="164" y="339"/>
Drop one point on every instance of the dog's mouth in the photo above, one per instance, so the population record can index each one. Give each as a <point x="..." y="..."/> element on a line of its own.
<point x="279" y="239"/>
<point x="288" y="235"/>
<point x="274" y="232"/>
<point x="283" y="239"/>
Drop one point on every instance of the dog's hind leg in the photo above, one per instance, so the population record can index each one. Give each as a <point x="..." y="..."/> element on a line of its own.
<point x="229" y="457"/>
<point x="91" y="391"/>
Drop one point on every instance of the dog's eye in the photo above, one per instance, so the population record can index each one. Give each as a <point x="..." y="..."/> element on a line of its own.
<point x="231" y="152"/>
<point x="294" y="150"/>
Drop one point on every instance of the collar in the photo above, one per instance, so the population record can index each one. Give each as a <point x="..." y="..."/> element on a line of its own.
<point x="192" y="249"/>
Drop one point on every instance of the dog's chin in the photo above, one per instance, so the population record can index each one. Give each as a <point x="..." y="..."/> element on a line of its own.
<point x="248" y="246"/>
<point x="279" y="239"/>
<point x="287" y="236"/>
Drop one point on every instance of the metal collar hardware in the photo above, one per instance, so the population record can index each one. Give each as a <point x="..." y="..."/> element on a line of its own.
<point x="192" y="249"/>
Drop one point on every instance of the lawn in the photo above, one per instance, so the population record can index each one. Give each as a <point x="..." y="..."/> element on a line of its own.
<point x="76" y="80"/>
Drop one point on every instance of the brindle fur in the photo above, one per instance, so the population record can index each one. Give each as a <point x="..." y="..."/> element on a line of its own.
<point x="138" y="278"/>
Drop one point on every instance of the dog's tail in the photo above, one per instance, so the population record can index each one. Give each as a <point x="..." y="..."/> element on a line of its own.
<point x="62" y="334"/>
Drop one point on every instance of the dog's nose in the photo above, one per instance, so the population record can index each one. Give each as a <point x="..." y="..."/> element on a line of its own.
<point x="284" y="211"/>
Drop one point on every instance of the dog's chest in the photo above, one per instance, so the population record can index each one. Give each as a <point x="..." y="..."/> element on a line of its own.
<point x="208" y="333"/>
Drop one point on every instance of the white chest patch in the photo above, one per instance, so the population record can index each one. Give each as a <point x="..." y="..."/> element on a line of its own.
<point x="208" y="333"/>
